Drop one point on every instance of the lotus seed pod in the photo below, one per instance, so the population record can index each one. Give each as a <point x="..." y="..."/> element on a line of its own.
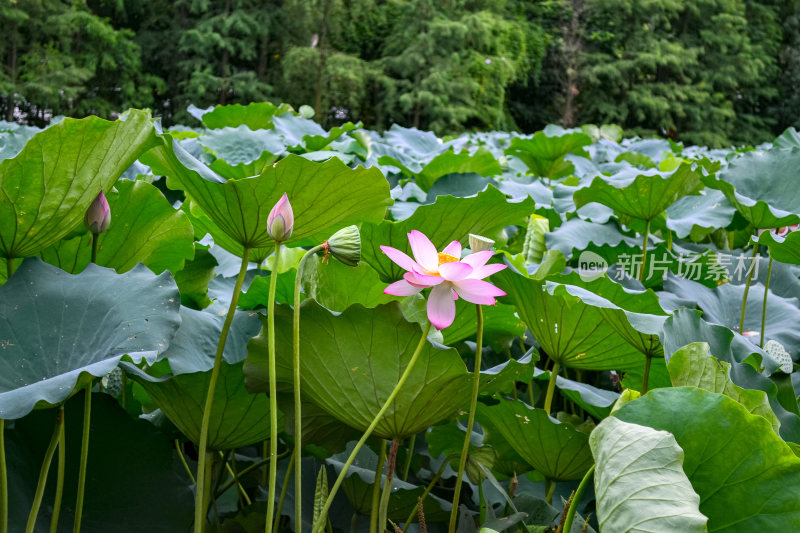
<point x="98" y="216"/>
<point x="477" y="243"/>
<point x="779" y="353"/>
<point x="345" y="245"/>
<point x="479" y="456"/>
<point x="281" y="220"/>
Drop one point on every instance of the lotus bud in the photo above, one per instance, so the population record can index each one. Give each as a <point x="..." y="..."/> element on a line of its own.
<point x="479" y="244"/>
<point x="281" y="220"/>
<point x="98" y="216"/>
<point x="483" y="456"/>
<point x="344" y="245"/>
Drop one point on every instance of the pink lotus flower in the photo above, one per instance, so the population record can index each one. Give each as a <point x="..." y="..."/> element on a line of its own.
<point x="281" y="220"/>
<point x="449" y="277"/>
<point x="98" y="216"/>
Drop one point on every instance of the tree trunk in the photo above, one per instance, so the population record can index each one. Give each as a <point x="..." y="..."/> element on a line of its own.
<point x="572" y="51"/>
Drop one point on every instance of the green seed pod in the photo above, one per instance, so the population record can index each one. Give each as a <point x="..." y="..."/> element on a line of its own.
<point x="478" y="243"/>
<point x="479" y="456"/>
<point x="534" y="247"/>
<point x="345" y="245"/>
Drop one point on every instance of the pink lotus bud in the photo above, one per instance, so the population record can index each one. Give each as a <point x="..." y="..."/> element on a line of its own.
<point x="98" y="216"/>
<point x="281" y="220"/>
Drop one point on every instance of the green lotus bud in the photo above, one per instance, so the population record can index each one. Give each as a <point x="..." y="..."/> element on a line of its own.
<point x="478" y="243"/>
<point x="98" y="216"/>
<point x="344" y="245"/>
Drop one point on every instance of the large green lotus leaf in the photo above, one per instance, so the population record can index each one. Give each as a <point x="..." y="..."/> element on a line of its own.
<point x="244" y="170"/>
<point x="325" y="197"/>
<point x="747" y="477"/>
<point x="544" y="155"/>
<point x="13" y="138"/>
<point x="699" y="214"/>
<point x="448" y="219"/>
<point x="693" y="365"/>
<point x="635" y="315"/>
<point x="194" y="278"/>
<point x="203" y="225"/>
<point x="500" y="321"/>
<point x="482" y="162"/>
<point x="195" y="343"/>
<point x="575" y="235"/>
<point x="639" y="481"/>
<point x="237" y="146"/>
<point x="640" y="194"/>
<point x="72" y="162"/>
<point x="338" y="286"/>
<point x="303" y="134"/>
<point x="723" y="305"/>
<point x="783" y="249"/>
<point x="58" y="330"/>
<point x="556" y="450"/>
<point x="569" y="331"/>
<point x="130" y="460"/>
<point x="144" y="229"/>
<point x="238" y="418"/>
<point x="416" y="143"/>
<point x="595" y="401"/>
<point x="685" y="327"/>
<point x="763" y="187"/>
<point x="349" y="364"/>
<point x="256" y="116"/>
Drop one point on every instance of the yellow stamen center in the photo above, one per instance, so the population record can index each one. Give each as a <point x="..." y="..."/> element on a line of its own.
<point x="446" y="258"/>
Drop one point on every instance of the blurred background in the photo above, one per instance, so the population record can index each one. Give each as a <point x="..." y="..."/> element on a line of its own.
<point x="709" y="72"/>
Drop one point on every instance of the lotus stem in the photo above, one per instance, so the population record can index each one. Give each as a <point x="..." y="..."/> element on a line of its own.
<point x="376" y="488"/>
<point x="273" y="396"/>
<point x="298" y="522"/>
<point x="3" y="480"/>
<point x="232" y="473"/>
<point x="549" y="489"/>
<point x="551" y="387"/>
<point x="298" y="419"/>
<point x="648" y="359"/>
<point x="62" y="460"/>
<point x="391" y="462"/>
<point x="428" y="490"/>
<point x="747" y="287"/>
<point x="202" y="455"/>
<point x="644" y="251"/>
<point x="481" y="503"/>
<point x="576" y="498"/>
<point x="324" y="514"/>
<point x="95" y="236"/>
<point x="87" y="413"/>
<point x="244" y="471"/>
<point x="764" y="307"/>
<point x="409" y="457"/>
<point x="476" y="382"/>
<point x="48" y="458"/>
<point x="9" y="267"/>
<point x="183" y="461"/>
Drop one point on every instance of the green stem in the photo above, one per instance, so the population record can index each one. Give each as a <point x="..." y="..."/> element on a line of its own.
<point x="202" y="454"/>
<point x="669" y="240"/>
<point x="428" y="490"/>
<point x="183" y="461"/>
<point x="232" y="473"/>
<point x="376" y="488"/>
<point x="551" y="387"/>
<point x="644" y="251"/>
<point x="476" y="382"/>
<point x="576" y="498"/>
<point x="549" y="489"/>
<point x="87" y="413"/>
<point x="284" y="488"/>
<point x="530" y="393"/>
<point x="298" y="419"/>
<point x="273" y="396"/>
<point x="764" y="307"/>
<point x="481" y="503"/>
<point x="3" y="480"/>
<point x="9" y="270"/>
<point x="245" y="471"/>
<point x="747" y="287"/>
<point x="48" y="458"/>
<point x="94" y="247"/>
<point x="265" y="457"/>
<point x="391" y="462"/>
<point x="409" y="457"/>
<point x="62" y="460"/>
<point x="648" y="359"/>
<point x="371" y="428"/>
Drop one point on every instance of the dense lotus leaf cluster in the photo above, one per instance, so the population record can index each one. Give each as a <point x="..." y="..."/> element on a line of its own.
<point x="642" y="343"/>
